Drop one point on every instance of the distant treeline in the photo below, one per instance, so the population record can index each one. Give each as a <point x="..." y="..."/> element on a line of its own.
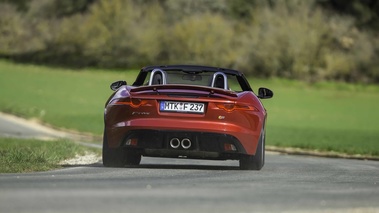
<point x="310" y="40"/>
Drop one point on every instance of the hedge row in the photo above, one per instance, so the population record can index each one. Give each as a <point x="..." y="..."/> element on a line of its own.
<point x="293" y="39"/>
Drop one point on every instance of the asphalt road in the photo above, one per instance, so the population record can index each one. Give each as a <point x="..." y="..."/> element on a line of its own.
<point x="11" y="126"/>
<point x="286" y="184"/>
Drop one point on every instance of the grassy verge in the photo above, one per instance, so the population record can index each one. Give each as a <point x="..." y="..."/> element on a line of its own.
<point x="20" y="155"/>
<point x="325" y="116"/>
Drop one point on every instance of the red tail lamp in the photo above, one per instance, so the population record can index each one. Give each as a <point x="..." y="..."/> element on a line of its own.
<point x="232" y="106"/>
<point x="131" y="142"/>
<point x="229" y="147"/>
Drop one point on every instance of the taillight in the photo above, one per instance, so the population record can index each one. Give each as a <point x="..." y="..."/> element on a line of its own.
<point x="133" y="102"/>
<point x="229" y="107"/>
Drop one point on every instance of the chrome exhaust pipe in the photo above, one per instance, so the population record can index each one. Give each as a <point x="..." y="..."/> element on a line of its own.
<point x="175" y="143"/>
<point x="186" y="143"/>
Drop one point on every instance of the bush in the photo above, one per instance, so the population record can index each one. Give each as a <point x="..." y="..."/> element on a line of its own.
<point x="114" y="34"/>
<point x="298" y="40"/>
<point x="12" y="30"/>
<point x="203" y="39"/>
<point x="293" y="39"/>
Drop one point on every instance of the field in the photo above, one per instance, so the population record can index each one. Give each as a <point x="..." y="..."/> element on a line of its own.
<point x="328" y="117"/>
<point x="324" y="116"/>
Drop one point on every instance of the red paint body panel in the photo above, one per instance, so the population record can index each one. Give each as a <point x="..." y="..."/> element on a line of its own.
<point x="137" y="108"/>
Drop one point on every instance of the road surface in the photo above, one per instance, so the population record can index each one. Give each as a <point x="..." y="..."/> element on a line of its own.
<point x="12" y="126"/>
<point x="286" y="184"/>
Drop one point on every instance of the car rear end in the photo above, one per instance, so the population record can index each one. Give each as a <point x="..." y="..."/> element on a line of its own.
<point x="184" y="121"/>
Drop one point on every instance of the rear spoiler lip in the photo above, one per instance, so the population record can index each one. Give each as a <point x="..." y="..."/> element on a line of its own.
<point x="163" y="89"/>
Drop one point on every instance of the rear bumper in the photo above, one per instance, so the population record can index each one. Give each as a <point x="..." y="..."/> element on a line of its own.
<point x="156" y="143"/>
<point x="154" y="135"/>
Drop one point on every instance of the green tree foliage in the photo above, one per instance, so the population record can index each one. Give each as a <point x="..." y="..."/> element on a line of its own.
<point x="193" y="41"/>
<point x="366" y="12"/>
<point x="299" y="39"/>
<point x="122" y="34"/>
<point x="21" y="5"/>
<point x="69" y="7"/>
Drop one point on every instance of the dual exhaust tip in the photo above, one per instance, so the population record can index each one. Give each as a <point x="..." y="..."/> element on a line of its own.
<point x="176" y="143"/>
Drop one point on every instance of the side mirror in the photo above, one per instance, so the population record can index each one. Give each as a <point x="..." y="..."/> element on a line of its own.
<point x="264" y="93"/>
<point x="117" y="84"/>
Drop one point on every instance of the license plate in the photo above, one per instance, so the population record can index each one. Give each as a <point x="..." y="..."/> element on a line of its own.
<point x="174" y="106"/>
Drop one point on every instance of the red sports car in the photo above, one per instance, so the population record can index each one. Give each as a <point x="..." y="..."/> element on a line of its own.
<point x="187" y="111"/>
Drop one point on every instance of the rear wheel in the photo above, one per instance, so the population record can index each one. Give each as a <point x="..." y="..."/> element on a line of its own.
<point x="257" y="161"/>
<point x="118" y="157"/>
<point x="132" y="158"/>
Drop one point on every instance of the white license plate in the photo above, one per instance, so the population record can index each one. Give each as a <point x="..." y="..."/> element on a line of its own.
<point x="174" y="106"/>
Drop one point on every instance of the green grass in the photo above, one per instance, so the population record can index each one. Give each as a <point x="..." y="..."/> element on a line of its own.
<point x="20" y="155"/>
<point x="60" y="97"/>
<point x="325" y="116"/>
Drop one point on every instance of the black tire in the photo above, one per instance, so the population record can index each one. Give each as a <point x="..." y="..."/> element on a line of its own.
<point x="118" y="157"/>
<point x="257" y="161"/>
<point x="132" y="158"/>
<point x="112" y="157"/>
